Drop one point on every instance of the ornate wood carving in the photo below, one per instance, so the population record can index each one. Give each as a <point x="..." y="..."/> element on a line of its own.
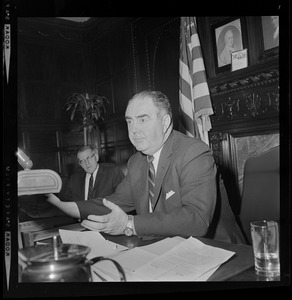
<point x="251" y="95"/>
<point x="249" y="105"/>
<point x="237" y="84"/>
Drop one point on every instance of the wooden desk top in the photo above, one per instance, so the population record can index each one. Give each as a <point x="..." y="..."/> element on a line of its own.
<point x="240" y="262"/>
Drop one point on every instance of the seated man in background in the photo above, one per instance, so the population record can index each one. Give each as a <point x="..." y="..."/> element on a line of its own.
<point x="105" y="180"/>
<point x="180" y="200"/>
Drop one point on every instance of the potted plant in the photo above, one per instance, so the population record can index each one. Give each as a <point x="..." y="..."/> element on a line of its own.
<point x="88" y="108"/>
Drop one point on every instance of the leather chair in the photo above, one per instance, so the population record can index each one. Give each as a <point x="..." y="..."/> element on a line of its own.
<point x="261" y="189"/>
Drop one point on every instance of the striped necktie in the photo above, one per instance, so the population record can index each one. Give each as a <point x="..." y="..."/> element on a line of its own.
<point x="90" y="188"/>
<point x="151" y="180"/>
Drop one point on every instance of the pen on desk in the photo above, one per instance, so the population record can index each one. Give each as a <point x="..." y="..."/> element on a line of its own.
<point x="99" y="276"/>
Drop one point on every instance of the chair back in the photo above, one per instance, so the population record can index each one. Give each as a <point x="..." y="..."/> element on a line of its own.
<point x="261" y="189"/>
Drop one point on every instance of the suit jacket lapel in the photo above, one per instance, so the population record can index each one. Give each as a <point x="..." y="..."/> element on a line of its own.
<point x="163" y="165"/>
<point x="82" y="184"/>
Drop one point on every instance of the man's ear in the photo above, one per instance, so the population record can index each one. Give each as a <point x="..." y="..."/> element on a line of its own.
<point x="96" y="155"/>
<point x="166" y="121"/>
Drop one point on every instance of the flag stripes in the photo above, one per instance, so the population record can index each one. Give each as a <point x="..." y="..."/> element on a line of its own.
<point x="195" y="102"/>
<point x="199" y="67"/>
<point x="187" y="122"/>
<point x="187" y="106"/>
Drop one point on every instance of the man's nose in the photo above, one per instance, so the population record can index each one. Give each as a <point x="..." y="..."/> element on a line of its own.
<point x="133" y="127"/>
<point x="87" y="162"/>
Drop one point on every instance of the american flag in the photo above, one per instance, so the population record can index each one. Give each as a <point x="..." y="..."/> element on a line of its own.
<point x="194" y="96"/>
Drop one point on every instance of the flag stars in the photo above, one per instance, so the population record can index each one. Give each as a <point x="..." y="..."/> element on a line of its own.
<point x="190" y="25"/>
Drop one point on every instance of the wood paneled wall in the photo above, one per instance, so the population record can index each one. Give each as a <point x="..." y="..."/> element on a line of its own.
<point x="56" y="60"/>
<point x="157" y="54"/>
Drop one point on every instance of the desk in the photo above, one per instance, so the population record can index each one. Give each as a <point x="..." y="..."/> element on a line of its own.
<point x="234" y="275"/>
<point x="239" y="267"/>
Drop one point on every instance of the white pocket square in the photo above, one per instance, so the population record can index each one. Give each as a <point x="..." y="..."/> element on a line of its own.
<point x="169" y="194"/>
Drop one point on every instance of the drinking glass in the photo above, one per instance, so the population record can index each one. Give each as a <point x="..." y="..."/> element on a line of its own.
<point x="265" y="242"/>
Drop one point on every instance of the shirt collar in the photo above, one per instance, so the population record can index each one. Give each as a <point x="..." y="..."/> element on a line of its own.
<point x="94" y="173"/>
<point x="156" y="156"/>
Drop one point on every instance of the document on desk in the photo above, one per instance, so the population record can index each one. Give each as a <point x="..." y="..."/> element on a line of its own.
<point x="187" y="261"/>
<point x="172" y="259"/>
<point x="93" y="239"/>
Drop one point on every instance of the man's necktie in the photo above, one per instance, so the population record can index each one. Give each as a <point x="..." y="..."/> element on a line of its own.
<point x="151" y="180"/>
<point x="90" y="188"/>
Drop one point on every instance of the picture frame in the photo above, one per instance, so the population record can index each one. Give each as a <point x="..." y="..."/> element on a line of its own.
<point x="228" y="36"/>
<point x="270" y="27"/>
<point x="270" y="37"/>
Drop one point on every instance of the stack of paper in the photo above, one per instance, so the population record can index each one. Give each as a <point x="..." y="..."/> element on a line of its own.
<point x="171" y="259"/>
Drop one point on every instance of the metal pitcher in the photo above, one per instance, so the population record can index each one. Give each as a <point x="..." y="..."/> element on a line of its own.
<point x="58" y="263"/>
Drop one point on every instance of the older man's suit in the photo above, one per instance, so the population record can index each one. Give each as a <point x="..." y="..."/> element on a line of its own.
<point x="106" y="181"/>
<point x="185" y="194"/>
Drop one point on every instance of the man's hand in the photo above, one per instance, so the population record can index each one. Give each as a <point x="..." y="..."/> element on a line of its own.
<point x="53" y="199"/>
<point x="67" y="208"/>
<point x="113" y="223"/>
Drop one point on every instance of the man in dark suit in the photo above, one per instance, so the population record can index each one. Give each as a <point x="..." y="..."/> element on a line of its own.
<point x="106" y="178"/>
<point x="184" y="194"/>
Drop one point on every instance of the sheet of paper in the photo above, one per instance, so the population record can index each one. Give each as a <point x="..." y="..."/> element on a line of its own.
<point x="171" y="259"/>
<point x="93" y="239"/>
<point x="117" y="247"/>
<point x="133" y="259"/>
<point x="130" y="260"/>
<point x="206" y="275"/>
<point x="160" y="247"/>
<point x="189" y="260"/>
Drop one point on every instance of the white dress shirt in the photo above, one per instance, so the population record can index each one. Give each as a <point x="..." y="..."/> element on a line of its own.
<point x="87" y="178"/>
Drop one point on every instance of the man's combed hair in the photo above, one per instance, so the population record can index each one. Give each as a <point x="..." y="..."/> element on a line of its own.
<point x="159" y="100"/>
<point x="86" y="147"/>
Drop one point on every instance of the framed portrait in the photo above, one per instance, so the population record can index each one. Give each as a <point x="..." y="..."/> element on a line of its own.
<point x="270" y="36"/>
<point x="270" y="25"/>
<point x="228" y="36"/>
